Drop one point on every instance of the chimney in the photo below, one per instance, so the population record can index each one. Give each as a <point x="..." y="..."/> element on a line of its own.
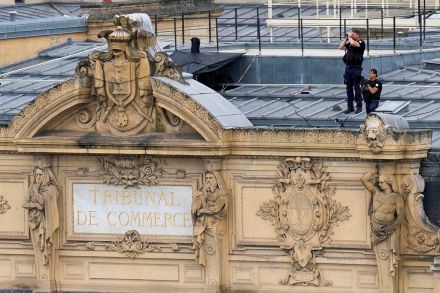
<point x="12" y="15"/>
<point x="195" y="45"/>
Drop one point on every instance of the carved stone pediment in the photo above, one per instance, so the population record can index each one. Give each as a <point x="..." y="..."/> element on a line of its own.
<point x="303" y="214"/>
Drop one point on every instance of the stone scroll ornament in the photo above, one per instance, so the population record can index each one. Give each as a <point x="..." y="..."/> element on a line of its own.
<point x="121" y="80"/>
<point x="132" y="245"/>
<point x="209" y="207"/>
<point x="386" y="212"/>
<point x="421" y="235"/>
<point x="41" y="203"/>
<point x="131" y="171"/>
<point x="303" y="214"/>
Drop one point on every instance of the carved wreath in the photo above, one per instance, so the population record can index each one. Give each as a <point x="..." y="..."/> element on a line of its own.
<point x="132" y="245"/>
<point x="131" y="171"/>
<point x="303" y="214"/>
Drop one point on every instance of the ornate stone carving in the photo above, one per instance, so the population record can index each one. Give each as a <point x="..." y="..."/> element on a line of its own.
<point x="132" y="245"/>
<point x="131" y="171"/>
<point x="387" y="213"/>
<point x="209" y="209"/>
<point x="4" y="205"/>
<point x="41" y="202"/>
<point x="167" y="68"/>
<point x="375" y="132"/>
<point x="303" y="214"/>
<point x="421" y="235"/>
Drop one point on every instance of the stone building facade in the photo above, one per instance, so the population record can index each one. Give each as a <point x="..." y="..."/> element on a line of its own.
<point x="133" y="177"/>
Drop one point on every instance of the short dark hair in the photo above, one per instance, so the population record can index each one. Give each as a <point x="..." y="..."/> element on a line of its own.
<point x="373" y="70"/>
<point x="356" y="31"/>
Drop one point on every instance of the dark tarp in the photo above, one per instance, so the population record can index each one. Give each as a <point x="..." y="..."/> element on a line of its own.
<point x="197" y="63"/>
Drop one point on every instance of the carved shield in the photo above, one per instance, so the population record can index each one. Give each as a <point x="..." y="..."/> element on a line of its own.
<point x="120" y="81"/>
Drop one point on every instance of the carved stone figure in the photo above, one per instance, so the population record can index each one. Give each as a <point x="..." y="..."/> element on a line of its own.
<point x="4" y="205"/>
<point x="208" y="209"/>
<point x="375" y="132"/>
<point x="41" y="202"/>
<point x="303" y="214"/>
<point x="387" y="213"/>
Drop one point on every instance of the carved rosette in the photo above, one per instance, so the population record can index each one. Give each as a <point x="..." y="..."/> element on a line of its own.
<point x="131" y="171"/>
<point x="421" y="235"/>
<point x="4" y="205"/>
<point x="303" y="215"/>
<point x="132" y="245"/>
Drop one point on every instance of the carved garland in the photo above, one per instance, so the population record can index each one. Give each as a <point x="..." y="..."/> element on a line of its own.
<point x="131" y="171"/>
<point x="303" y="214"/>
<point x="132" y="245"/>
<point x="4" y="205"/>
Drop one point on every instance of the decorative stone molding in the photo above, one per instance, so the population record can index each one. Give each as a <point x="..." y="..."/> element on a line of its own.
<point x="167" y="68"/>
<point x="421" y="235"/>
<point x="303" y="215"/>
<point x="42" y="204"/>
<point x="132" y="245"/>
<point x="4" y="205"/>
<point x="131" y="171"/>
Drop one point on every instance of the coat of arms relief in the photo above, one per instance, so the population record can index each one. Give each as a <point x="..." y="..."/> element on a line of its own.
<point x="121" y="81"/>
<point x="303" y="214"/>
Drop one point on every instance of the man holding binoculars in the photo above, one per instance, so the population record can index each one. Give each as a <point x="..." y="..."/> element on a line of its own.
<point x="354" y="56"/>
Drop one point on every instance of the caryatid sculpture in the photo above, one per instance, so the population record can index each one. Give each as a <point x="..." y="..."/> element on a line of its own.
<point x="386" y="213"/>
<point x="41" y="202"/>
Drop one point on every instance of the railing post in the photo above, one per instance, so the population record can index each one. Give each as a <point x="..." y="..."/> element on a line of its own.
<point x="236" y="24"/>
<point x="175" y="35"/>
<point x="216" y="32"/>
<point x="368" y="37"/>
<point x="424" y="19"/>
<point x="209" y="26"/>
<point x="258" y="30"/>
<point x="381" y="21"/>
<point x="183" y="29"/>
<point x="345" y="26"/>
<point x="420" y="23"/>
<point x="394" y="34"/>
<point x="340" y="22"/>
<point x="155" y="24"/>
<point x="302" y="39"/>
<point x="299" y="22"/>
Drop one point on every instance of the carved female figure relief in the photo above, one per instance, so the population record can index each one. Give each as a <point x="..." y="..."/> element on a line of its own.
<point x="41" y="202"/>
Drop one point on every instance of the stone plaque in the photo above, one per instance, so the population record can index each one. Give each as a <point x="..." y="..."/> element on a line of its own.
<point x="155" y="210"/>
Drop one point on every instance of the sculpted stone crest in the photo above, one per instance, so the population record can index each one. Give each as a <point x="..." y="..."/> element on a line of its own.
<point x="121" y="80"/>
<point x="303" y="214"/>
<point x="41" y="202"/>
<point x="132" y="245"/>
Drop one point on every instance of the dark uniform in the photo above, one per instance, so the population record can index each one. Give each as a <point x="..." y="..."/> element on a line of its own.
<point x="353" y="59"/>
<point x="372" y="100"/>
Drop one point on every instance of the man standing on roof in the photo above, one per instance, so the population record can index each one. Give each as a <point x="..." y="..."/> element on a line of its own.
<point x="372" y="91"/>
<point x="354" y="56"/>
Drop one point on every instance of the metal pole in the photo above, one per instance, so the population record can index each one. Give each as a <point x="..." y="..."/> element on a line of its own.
<point x="345" y="26"/>
<point x="183" y="29"/>
<point x="424" y="19"/>
<point x="209" y="26"/>
<point x="368" y="37"/>
<point x="175" y="35"/>
<point x="258" y="30"/>
<point x="420" y="23"/>
<point x="394" y="34"/>
<point x="155" y="24"/>
<point x="236" y="24"/>
<point x="340" y="23"/>
<point x="302" y="38"/>
<point x="381" y="22"/>
<point x="216" y="32"/>
<point x="299" y="22"/>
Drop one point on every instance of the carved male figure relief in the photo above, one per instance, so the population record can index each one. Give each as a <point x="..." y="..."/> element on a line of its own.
<point x="41" y="202"/>
<point x="386" y="213"/>
<point x="208" y="210"/>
